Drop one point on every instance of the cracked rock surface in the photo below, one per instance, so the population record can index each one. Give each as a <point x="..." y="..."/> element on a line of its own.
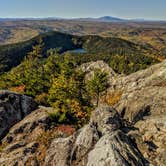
<point x="100" y="143"/>
<point x="13" y="108"/>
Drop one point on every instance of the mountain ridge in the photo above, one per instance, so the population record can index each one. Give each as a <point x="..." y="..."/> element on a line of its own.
<point x="93" y="19"/>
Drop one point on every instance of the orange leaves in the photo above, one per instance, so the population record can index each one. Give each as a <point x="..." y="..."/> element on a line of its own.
<point x="19" y="89"/>
<point x="66" y="129"/>
<point x="77" y="109"/>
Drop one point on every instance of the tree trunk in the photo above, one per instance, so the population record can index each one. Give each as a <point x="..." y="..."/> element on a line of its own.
<point x="97" y="100"/>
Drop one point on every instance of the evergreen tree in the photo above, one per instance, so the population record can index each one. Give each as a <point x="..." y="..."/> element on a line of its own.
<point x="33" y="70"/>
<point x="37" y="51"/>
<point x="98" y="84"/>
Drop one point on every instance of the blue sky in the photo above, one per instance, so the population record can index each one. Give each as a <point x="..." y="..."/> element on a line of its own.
<point x="149" y="9"/>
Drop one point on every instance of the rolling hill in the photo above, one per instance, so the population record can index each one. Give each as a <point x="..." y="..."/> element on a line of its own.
<point x="11" y="55"/>
<point x="146" y="33"/>
<point x="123" y="56"/>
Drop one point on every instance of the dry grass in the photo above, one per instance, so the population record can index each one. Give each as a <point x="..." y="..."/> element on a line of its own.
<point x="46" y="138"/>
<point x="161" y="84"/>
<point x="2" y="146"/>
<point x="44" y="141"/>
<point x="113" y="98"/>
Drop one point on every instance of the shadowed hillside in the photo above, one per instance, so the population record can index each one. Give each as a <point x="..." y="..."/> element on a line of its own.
<point x="97" y="48"/>
<point x="11" y="55"/>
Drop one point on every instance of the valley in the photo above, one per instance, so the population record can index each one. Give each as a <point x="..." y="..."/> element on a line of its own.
<point x="152" y="34"/>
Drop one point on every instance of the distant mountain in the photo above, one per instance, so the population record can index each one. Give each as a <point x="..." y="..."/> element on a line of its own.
<point x="29" y="19"/>
<point x="116" y="19"/>
<point x="101" y="19"/>
<point x="110" y="19"/>
<point x="7" y="19"/>
<point x="89" y="19"/>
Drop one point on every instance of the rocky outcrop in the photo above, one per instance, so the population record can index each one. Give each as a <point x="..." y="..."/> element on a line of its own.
<point x="13" y="108"/>
<point x="131" y="134"/>
<point x="100" y="143"/>
<point x="140" y="98"/>
<point x="90" y="67"/>
<point x="143" y="91"/>
<point x="143" y="104"/>
<point x="22" y="144"/>
<point x="152" y="134"/>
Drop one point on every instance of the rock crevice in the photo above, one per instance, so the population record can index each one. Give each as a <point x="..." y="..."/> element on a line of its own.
<point x="100" y="143"/>
<point x="13" y="108"/>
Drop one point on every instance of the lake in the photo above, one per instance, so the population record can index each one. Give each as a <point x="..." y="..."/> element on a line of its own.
<point x="79" y="50"/>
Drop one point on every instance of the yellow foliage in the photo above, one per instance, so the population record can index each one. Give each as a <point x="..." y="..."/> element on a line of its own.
<point x="42" y="98"/>
<point x="3" y="146"/>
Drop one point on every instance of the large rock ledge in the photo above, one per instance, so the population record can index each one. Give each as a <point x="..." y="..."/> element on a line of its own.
<point x="13" y="108"/>
<point x="22" y="144"/>
<point x="100" y="143"/>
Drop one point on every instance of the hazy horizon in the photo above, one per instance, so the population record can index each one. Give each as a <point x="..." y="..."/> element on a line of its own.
<point x="54" y="17"/>
<point x="128" y="9"/>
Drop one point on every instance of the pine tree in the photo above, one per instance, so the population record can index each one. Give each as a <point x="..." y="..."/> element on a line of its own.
<point x="37" y="50"/>
<point x="98" y="84"/>
<point x="33" y="70"/>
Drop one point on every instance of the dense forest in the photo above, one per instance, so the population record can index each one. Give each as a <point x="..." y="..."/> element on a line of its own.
<point x="107" y="49"/>
<point x="11" y="55"/>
